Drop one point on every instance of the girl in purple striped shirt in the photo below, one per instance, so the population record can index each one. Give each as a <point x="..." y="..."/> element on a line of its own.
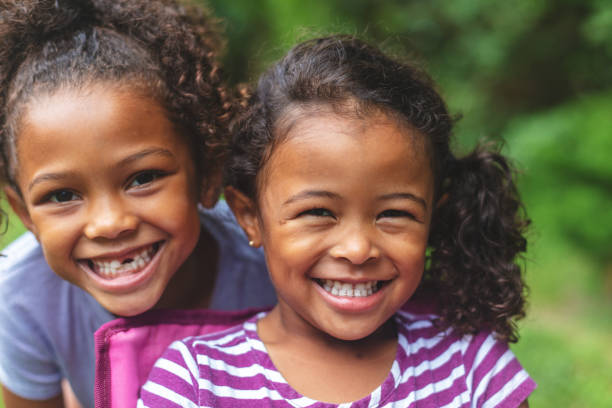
<point x="394" y="261"/>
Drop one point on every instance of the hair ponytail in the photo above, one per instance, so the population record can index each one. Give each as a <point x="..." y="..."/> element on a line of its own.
<point x="476" y="236"/>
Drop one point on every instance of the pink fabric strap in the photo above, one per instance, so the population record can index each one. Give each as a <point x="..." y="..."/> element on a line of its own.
<point x="127" y="348"/>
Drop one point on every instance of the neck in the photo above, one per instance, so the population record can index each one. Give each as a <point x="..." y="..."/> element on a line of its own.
<point x="325" y="368"/>
<point x="280" y="326"/>
<point x="192" y="285"/>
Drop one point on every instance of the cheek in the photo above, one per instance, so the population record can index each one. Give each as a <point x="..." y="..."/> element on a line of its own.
<point x="290" y="252"/>
<point x="176" y="210"/>
<point x="56" y="236"/>
<point x="410" y="257"/>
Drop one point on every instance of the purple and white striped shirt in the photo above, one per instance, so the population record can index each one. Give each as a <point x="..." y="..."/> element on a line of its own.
<point x="432" y="369"/>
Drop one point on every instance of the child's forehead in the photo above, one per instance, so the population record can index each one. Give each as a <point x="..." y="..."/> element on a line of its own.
<point x="306" y="120"/>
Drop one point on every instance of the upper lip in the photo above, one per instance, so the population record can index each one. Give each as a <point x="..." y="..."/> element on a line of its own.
<point x="117" y="253"/>
<point x="352" y="280"/>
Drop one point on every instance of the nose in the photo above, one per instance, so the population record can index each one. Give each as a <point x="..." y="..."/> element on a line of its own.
<point x="109" y="218"/>
<point x="356" y="245"/>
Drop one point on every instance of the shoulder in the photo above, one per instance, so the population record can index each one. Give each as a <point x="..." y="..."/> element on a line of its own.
<point x="223" y="344"/>
<point x="494" y="374"/>
<point x="38" y="305"/>
<point x="23" y="252"/>
<point x="195" y="366"/>
<point x="479" y="366"/>
<point x="25" y="274"/>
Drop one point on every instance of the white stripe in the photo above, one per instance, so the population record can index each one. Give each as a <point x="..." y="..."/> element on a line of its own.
<point x="176" y="369"/>
<point x="500" y="364"/>
<point x="241" y="372"/>
<point x="427" y="364"/>
<point x="465" y="342"/>
<point x="419" y="324"/>
<point x="428" y="390"/>
<point x="375" y="397"/>
<point x="222" y="340"/>
<point x="252" y="326"/>
<point x="396" y="373"/>
<point x="480" y="355"/>
<point x="416" y="317"/>
<point x="224" y="391"/>
<point x="420" y="343"/>
<point x="168" y="394"/>
<point x="232" y="333"/>
<point x="235" y="350"/>
<point x="141" y="404"/>
<point x="506" y="390"/>
<point x="459" y="400"/>
<point x="187" y="357"/>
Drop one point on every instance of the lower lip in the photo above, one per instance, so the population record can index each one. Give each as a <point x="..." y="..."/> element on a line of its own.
<point x="127" y="283"/>
<point x="356" y="304"/>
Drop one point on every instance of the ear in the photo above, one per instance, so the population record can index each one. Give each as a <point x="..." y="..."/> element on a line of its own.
<point x="245" y="211"/>
<point x="19" y="208"/>
<point x="442" y="200"/>
<point x="211" y="189"/>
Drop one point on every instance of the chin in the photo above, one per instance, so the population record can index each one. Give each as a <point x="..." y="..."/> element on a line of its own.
<point x="128" y="307"/>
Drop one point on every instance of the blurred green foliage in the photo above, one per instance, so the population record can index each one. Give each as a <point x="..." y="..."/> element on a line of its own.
<point x="536" y="73"/>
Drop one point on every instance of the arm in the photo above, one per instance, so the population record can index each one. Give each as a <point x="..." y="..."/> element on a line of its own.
<point x="28" y="365"/>
<point x="524" y="404"/>
<point x="14" y="401"/>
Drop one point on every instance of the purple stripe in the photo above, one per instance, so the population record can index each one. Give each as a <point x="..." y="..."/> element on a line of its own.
<point x="174" y="383"/>
<point x="152" y="400"/>
<point x="214" y="336"/>
<point x="424" y="354"/>
<point x="175" y="356"/>
<point x="519" y="394"/>
<point x="240" y="360"/>
<point x="473" y="348"/>
<point x="490" y="361"/>
<point x="208" y="399"/>
<point x="442" y="397"/>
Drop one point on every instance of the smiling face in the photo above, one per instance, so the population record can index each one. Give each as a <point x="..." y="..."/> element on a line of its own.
<point x="344" y="211"/>
<point x="109" y="190"/>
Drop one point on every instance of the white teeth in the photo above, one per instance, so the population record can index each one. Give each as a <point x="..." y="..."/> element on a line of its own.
<point x="338" y="288"/>
<point x="110" y="269"/>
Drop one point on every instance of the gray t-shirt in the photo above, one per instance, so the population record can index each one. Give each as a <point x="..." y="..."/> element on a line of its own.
<point x="47" y="324"/>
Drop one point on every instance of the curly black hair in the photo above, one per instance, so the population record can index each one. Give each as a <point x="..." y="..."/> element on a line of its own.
<point x="161" y="48"/>
<point x="477" y="230"/>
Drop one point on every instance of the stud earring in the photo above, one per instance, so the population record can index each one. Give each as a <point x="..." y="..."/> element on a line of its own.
<point x="251" y="243"/>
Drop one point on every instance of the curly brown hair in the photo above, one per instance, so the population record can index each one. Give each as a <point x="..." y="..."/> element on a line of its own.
<point x="160" y="47"/>
<point x="477" y="230"/>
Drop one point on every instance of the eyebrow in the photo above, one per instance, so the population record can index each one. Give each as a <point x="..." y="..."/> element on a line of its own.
<point x="303" y="195"/>
<point x="156" y="151"/>
<point x="408" y="196"/>
<point x="124" y="162"/>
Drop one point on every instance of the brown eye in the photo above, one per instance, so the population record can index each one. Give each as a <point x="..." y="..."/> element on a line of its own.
<point x="395" y="214"/>
<point x="62" y="196"/>
<point x="145" y="177"/>
<point x="318" y="212"/>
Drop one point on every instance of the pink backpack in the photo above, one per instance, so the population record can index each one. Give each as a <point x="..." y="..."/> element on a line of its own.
<point x="127" y="348"/>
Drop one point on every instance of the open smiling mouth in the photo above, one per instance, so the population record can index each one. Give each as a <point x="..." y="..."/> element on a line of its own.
<point x="362" y="289"/>
<point x="134" y="262"/>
